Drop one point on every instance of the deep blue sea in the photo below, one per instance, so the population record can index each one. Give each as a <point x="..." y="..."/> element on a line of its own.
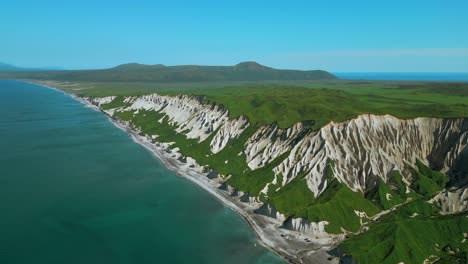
<point x="76" y="189"/>
<point x="405" y="76"/>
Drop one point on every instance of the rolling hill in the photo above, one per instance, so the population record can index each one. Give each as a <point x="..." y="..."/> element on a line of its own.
<point x="133" y="72"/>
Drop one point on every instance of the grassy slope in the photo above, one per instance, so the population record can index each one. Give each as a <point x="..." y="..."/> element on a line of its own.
<point x="385" y="197"/>
<point x="335" y="205"/>
<point x="322" y="101"/>
<point x="415" y="230"/>
<point x="117" y="102"/>
<point x="339" y="209"/>
<point x="400" y="237"/>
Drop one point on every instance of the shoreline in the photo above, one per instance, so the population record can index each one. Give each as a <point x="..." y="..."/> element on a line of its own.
<point x="290" y="245"/>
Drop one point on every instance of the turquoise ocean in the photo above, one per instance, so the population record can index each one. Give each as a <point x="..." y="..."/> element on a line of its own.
<point x="76" y="189"/>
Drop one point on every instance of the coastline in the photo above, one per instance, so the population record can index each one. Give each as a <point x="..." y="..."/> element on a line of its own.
<point x="289" y="244"/>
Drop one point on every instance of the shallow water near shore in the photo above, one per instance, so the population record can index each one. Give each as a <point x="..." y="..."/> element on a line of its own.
<point x="76" y="189"/>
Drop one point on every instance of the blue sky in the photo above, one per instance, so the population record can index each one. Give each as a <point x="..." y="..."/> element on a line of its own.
<point x="350" y="36"/>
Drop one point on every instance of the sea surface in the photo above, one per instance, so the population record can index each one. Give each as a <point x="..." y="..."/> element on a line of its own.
<point x="405" y="76"/>
<point x="76" y="189"/>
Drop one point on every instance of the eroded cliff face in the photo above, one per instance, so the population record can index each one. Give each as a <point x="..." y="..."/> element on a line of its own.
<point x="370" y="147"/>
<point x="452" y="200"/>
<point x="304" y="226"/>
<point x="189" y="114"/>
<point x="269" y="142"/>
<point x="98" y="101"/>
<point x="358" y="152"/>
<point x="228" y="131"/>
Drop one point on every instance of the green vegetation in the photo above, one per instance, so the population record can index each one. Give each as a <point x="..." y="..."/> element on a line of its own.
<point x="288" y="102"/>
<point x="336" y="101"/>
<point x="117" y="102"/>
<point x="410" y="235"/>
<point x="246" y="71"/>
<point x="426" y="181"/>
<point x="385" y="197"/>
<point x="437" y="177"/>
<point x="293" y="198"/>
<point x="415" y="230"/>
<point x="337" y="204"/>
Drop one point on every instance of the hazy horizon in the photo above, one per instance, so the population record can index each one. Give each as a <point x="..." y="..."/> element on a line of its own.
<point x="337" y="36"/>
<point x="58" y="67"/>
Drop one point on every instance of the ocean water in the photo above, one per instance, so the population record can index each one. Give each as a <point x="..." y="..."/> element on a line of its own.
<point x="76" y="189"/>
<point x="405" y="76"/>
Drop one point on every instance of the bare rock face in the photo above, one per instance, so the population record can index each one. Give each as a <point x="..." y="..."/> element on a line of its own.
<point x="230" y="130"/>
<point x="306" y="227"/>
<point x="458" y="171"/>
<point x="98" y="101"/>
<point x="189" y="114"/>
<point x="452" y="201"/>
<point x="369" y="147"/>
<point x="268" y="210"/>
<point x="270" y="142"/>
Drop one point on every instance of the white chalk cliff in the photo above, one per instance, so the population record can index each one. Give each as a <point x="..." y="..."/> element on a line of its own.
<point x="359" y="151"/>
<point x="228" y="131"/>
<point x="270" y="142"/>
<point x="370" y="147"/>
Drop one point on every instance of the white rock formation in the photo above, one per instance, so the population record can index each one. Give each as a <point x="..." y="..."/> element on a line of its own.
<point x="315" y="229"/>
<point x="268" y="210"/>
<point x="370" y="147"/>
<point x="189" y="114"/>
<point x="228" y="131"/>
<point x="452" y="201"/>
<point x="101" y="100"/>
<point x="270" y="142"/>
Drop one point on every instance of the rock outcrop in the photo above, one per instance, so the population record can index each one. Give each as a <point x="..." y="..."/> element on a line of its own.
<point x="268" y="210"/>
<point x="301" y="225"/>
<point x="452" y="200"/>
<point x="370" y="147"/>
<point x="229" y="131"/>
<point x="270" y="142"/>
<point x="98" y="101"/>
<point x="189" y="114"/>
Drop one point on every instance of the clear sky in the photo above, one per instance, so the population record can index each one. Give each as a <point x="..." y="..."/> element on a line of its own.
<point x="352" y="36"/>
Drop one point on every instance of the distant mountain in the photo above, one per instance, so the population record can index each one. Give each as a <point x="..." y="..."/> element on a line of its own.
<point x="11" y="68"/>
<point x="8" y="67"/>
<point x="134" y="72"/>
<point x="136" y="66"/>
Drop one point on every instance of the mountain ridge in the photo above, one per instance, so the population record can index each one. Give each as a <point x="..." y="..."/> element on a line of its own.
<point x="135" y="72"/>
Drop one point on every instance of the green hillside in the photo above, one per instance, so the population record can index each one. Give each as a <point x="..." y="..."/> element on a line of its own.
<point x="246" y="71"/>
<point x="289" y="102"/>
